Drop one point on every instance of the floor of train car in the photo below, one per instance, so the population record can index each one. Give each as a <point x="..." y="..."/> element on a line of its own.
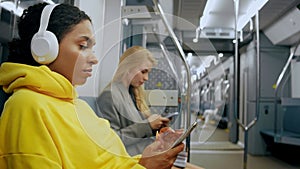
<point x="211" y="150"/>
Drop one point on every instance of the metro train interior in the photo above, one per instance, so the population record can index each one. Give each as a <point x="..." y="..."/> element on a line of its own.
<point x="231" y="65"/>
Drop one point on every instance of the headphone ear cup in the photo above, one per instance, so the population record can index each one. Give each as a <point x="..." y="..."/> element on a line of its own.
<point x="44" y="47"/>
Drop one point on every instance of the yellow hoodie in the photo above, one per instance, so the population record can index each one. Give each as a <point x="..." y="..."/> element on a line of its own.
<point x="44" y="125"/>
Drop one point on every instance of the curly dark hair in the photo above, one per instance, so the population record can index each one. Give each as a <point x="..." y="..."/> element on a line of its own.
<point x="62" y="19"/>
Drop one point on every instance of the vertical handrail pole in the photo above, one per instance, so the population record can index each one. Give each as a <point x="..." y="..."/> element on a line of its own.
<point x="236" y="80"/>
<point x="257" y="66"/>
<point x="182" y="55"/>
<point x="236" y="58"/>
<point x="246" y="126"/>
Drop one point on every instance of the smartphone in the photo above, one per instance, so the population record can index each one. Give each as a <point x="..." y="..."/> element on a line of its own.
<point x="170" y="115"/>
<point x="185" y="134"/>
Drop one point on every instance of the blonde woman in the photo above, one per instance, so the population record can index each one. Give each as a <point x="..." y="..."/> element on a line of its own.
<point x="122" y="102"/>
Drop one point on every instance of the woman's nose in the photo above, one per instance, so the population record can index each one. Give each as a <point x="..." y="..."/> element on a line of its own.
<point x="146" y="77"/>
<point x="93" y="59"/>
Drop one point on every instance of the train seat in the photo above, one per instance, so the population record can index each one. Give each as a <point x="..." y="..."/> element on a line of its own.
<point x="3" y="97"/>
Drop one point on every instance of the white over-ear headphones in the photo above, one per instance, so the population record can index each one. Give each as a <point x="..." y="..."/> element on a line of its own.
<point x="44" y="44"/>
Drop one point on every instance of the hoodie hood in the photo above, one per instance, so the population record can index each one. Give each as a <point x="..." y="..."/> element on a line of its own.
<point x="41" y="79"/>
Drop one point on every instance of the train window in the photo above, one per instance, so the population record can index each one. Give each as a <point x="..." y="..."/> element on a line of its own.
<point x="6" y="16"/>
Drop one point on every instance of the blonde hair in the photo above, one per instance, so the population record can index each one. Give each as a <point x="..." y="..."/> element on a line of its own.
<point x="133" y="58"/>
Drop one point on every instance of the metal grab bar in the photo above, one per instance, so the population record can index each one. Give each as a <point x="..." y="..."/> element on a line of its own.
<point x="247" y="126"/>
<point x="165" y="53"/>
<point x="182" y="55"/>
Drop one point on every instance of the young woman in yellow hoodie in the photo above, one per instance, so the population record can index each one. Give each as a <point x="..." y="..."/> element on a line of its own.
<point x="43" y="124"/>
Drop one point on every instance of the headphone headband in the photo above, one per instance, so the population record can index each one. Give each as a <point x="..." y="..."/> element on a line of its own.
<point x="45" y="16"/>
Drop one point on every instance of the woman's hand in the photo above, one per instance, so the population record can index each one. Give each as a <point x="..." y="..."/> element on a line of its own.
<point x="157" y="122"/>
<point x="152" y="159"/>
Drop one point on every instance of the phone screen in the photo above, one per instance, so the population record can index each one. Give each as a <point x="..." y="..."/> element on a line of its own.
<point x="185" y="134"/>
<point x="170" y="115"/>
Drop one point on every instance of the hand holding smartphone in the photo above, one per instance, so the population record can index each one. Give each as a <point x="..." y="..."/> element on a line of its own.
<point x="185" y="134"/>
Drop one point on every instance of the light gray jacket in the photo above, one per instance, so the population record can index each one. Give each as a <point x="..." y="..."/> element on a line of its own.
<point x="115" y="104"/>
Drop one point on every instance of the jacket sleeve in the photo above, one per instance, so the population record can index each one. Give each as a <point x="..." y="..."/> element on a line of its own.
<point x="128" y="131"/>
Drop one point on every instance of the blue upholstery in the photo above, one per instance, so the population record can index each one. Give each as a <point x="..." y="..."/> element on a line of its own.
<point x="3" y="98"/>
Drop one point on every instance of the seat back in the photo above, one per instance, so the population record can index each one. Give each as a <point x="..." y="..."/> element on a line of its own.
<point x="3" y="97"/>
